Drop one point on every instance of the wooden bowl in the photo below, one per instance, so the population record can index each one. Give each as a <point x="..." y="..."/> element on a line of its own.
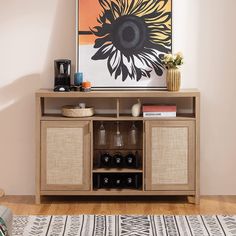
<point x="75" y="111"/>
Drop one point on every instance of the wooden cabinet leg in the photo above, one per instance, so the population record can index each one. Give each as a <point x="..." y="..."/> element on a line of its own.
<point x="194" y="200"/>
<point x="191" y="199"/>
<point x="197" y="199"/>
<point x="37" y="199"/>
<point x="2" y="193"/>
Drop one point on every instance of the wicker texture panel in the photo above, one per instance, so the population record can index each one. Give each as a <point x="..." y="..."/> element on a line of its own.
<point x="64" y="156"/>
<point x="170" y="155"/>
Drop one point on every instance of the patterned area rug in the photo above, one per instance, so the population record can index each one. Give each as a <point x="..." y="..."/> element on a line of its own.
<point x="124" y="225"/>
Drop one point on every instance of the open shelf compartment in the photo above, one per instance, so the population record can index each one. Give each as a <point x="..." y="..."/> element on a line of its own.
<point x="130" y="151"/>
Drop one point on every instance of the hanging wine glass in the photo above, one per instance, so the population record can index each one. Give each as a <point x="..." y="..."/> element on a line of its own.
<point x="133" y="135"/>
<point x="118" y="139"/>
<point x="101" y="135"/>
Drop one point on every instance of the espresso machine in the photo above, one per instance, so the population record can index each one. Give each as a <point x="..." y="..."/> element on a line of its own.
<point x="62" y="70"/>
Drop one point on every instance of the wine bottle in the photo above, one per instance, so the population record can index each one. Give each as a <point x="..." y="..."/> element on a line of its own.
<point x="106" y="160"/>
<point x="96" y="181"/>
<point x="133" y="181"/>
<point x="106" y="182"/>
<point x="129" y="181"/>
<point x="118" y="160"/>
<point x="117" y="182"/>
<point x="131" y="160"/>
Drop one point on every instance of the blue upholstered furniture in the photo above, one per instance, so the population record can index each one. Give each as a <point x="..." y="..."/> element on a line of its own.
<point x="6" y="218"/>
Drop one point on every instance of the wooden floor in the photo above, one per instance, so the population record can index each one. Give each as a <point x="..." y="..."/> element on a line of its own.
<point x="24" y="205"/>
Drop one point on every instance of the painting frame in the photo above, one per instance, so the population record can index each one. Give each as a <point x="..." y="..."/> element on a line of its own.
<point x="110" y="85"/>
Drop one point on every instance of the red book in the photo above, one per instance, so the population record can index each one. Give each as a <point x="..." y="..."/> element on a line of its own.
<point x="159" y="108"/>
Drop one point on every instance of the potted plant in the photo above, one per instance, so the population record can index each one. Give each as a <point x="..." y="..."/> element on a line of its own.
<point x="172" y="63"/>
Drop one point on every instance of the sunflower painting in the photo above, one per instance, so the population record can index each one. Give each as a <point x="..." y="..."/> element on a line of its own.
<point x="121" y="42"/>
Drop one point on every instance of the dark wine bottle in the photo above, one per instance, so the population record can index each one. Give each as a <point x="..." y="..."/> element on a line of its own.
<point x="106" y="160"/>
<point x="117" y="182"/>
<point x="96" y="181"/>
<point x="106" y="182"/>
<point x="131" y="160"/>
<point x="129" y="181"/>
<point x="118" y="160"/>
<point x="133" y="181"/>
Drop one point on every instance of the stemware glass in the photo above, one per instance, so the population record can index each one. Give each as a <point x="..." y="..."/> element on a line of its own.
<point x="118" y="139"/>
<point x="101" y="135"/>
<point x="133" y="135"/>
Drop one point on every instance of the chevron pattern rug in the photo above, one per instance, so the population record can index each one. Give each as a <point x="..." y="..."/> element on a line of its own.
<point x="124" y="225"/>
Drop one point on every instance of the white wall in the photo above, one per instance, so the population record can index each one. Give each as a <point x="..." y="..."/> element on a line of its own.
<point x="33" y="33"/>
<point x="205" y="31"/>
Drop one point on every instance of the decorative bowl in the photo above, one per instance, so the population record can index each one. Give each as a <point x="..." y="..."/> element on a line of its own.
<point x="75" y="111"/>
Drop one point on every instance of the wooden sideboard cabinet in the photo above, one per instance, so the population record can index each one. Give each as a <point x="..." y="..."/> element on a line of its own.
<point x="166" y="150"/>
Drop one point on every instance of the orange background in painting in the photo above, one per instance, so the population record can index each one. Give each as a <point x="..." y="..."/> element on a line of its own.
<point x="89" y="11"/>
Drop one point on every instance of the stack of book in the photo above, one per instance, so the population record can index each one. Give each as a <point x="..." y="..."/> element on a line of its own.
<point x="159" y="110"/>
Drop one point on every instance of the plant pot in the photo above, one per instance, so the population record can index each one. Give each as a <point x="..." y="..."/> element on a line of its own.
<point x="173" y="79"/>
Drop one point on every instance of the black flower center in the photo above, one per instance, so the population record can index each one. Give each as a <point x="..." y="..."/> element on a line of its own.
<point x="129" y="34"/>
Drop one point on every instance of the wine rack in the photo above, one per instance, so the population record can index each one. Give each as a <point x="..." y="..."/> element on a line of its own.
<point x="122" y="164"/>
<point x="118" y="160"/>
<point x="117" y="181"/>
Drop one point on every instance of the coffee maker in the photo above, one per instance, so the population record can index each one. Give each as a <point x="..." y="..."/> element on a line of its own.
<point x="62" y="70"/>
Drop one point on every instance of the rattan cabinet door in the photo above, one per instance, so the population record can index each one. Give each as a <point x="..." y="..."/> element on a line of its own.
<point x="65" y="155"/>
<point x="170" y="155"/>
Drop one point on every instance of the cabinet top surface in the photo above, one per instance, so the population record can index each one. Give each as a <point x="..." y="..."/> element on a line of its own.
<point x="118" y="93"/>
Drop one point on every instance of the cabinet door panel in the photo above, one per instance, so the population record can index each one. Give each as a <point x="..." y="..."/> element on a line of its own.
<point x="65" y="155"/>
<point x="170" y="155"/>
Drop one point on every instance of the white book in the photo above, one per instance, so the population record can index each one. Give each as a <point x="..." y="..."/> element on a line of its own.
<point x="159" y="114"/>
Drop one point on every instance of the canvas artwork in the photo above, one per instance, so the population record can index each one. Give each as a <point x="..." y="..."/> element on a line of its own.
<point x="121" y="42"/>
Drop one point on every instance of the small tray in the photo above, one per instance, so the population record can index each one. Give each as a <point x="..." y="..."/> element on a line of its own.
<point x="75" y="111"/>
